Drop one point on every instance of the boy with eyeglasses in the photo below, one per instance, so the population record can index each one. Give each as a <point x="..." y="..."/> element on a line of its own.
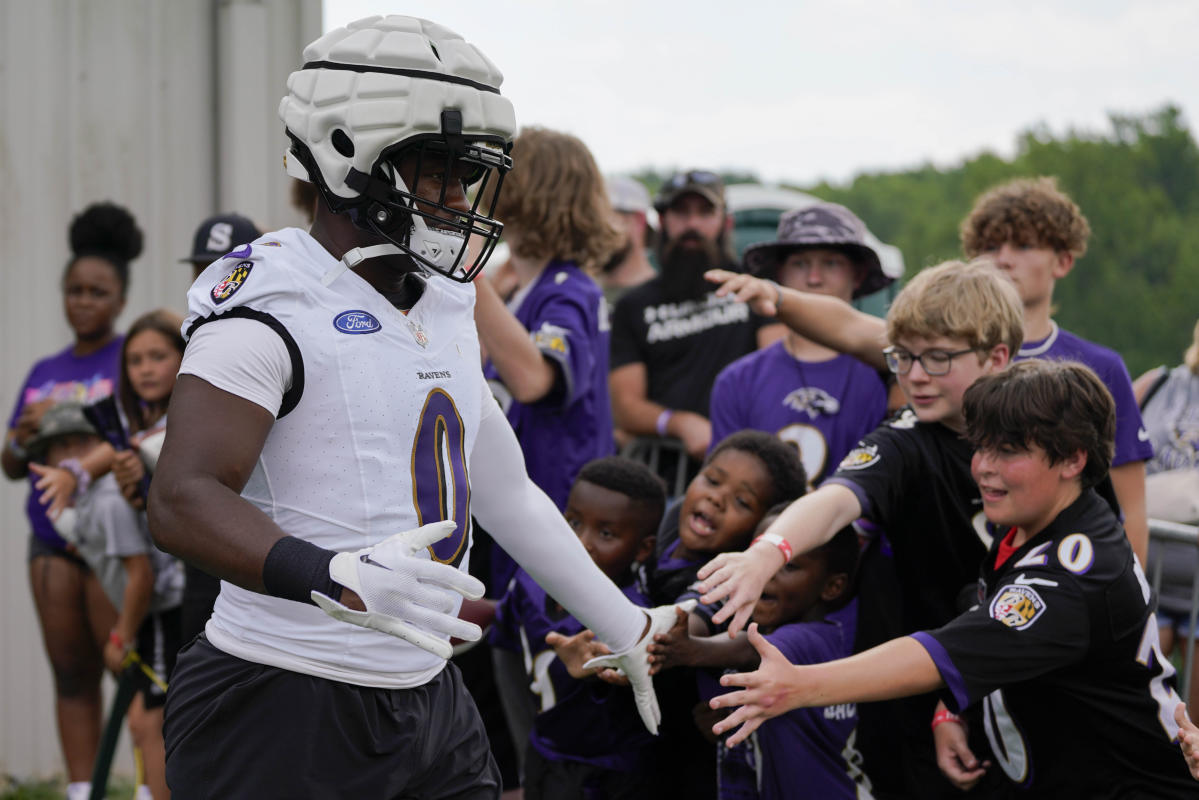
<point x="950" y="325"/>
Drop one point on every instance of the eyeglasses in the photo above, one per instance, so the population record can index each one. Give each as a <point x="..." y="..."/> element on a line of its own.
<point x="699" y="177"/>
<point x="934" y="362"/>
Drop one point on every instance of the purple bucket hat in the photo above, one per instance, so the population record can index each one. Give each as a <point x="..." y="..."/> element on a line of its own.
<point x="819" y="225"/>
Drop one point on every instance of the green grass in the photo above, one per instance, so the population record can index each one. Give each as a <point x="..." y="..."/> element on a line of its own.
<point x="12" y="788"/>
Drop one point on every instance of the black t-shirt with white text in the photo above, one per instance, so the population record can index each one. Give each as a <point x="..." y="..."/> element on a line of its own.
<point x="683" y="344"/>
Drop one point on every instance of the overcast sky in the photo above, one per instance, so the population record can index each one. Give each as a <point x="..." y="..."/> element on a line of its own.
<point x="799" y="91"/>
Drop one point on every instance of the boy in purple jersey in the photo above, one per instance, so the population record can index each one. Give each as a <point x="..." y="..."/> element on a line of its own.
<point x="587" y="740"/>
<point x="807" y="611"/>
<point x="820" y="400"/>
<point x="744" y="476"/>
<point x="1035" y="233"/>
<point x="1061" y="647"/>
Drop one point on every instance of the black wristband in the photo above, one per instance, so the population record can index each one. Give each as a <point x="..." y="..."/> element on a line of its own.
<point x="294" y="568"/>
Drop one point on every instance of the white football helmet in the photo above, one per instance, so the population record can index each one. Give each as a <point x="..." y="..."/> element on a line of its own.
<point x="385" y="100"/>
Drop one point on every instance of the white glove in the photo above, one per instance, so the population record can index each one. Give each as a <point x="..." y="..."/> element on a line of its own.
<point x="634" y="663"/>
<point x="405" y="594"/>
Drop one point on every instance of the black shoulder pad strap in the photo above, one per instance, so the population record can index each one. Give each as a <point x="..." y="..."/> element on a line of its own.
<point x="291" y="398"/>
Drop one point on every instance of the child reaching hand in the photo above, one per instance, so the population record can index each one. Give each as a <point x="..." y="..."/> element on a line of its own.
<point x="743" y="476"/>
<point x="1063" y="629"/>
<point x="587" y="739"/>
<point x="807" y="611"/>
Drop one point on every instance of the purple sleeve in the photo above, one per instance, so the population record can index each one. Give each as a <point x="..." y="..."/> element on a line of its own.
<point x="1132" y="439"/>
<point x="723" y="411"/>
<point x="560" y="330"/>
<point x="949" y="673"/>
<point x="20" y="404"/>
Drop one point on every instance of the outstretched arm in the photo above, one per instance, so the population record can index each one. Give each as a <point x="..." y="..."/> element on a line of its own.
<point x="738" y="578"/>
<point x="898" y="668"/>
<point x="825" y="320"/>
<point x="687" y="644"/>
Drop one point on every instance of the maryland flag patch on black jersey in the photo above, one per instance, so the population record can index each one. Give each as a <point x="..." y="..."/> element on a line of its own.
<point x="860" y="457"/>
<point x="228" y="286"/>
<point x="1017" y="606"/>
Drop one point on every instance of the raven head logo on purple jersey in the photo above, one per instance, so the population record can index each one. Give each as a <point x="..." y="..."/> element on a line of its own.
<point x="813" y="401"/>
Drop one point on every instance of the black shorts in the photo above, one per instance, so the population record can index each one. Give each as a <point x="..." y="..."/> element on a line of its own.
<point x="157" y="647"/>
<point x="238" y="729"/>
<point x="40" y="547"/>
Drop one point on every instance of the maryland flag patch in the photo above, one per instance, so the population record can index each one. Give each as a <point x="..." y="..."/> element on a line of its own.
<point x="860" y="457"/>
<point x="1018" y="607"/>
<point x="228" y="286"/>
<point x="552" y="339"/>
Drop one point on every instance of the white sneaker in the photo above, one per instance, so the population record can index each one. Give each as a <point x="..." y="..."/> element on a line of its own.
<point x="80" y="790"/>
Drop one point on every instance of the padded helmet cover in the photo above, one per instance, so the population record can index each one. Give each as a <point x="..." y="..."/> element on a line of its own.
<point x="412" y="70"/>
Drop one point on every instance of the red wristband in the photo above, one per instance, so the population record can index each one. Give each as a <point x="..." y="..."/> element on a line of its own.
<point x="115" y="638"/>
<point x="945" y="715"/>
<point x="778" y="541"/>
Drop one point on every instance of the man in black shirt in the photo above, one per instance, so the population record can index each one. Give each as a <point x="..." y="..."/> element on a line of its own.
<point x="1061" y="648"/>
<point x="672" y="335"/>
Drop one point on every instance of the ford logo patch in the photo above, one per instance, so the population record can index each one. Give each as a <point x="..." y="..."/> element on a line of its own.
<point x="356" y="322"/>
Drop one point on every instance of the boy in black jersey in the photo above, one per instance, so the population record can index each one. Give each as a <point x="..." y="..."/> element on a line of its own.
<point x="1061" y="648"/>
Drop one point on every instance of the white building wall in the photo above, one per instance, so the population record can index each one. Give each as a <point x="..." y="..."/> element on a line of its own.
<point x="168" y="108"/>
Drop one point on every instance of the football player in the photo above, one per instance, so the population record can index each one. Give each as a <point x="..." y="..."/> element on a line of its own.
<point x="1062" y="630"/>
<point x="331" y="436"/>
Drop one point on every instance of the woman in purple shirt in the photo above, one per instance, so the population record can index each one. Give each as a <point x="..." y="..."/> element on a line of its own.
<point x="71" y="608"/>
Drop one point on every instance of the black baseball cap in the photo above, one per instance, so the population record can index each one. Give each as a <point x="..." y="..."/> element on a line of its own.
<point x="696" y="181"/>
<point x="218" y="235"/>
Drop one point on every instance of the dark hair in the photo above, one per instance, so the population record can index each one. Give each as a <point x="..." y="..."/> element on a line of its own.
<point x="109" y="232"/>
<point x="632" y="479"/>
<point x="841" y="552"/>
<point x="168" y="324"/>
<point x="1060" y="406"/>
<point x="781" y="459"/>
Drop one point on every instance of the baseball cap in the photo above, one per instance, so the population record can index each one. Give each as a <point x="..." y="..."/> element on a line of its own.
<point x="819" y="225"/>
<point x="61" y="419"/>
<point x="696" y="181"/>
<point x="627" y="194"/>
<point x="219" y="234"/>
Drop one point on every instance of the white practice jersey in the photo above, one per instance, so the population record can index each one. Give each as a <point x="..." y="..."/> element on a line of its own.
<point x="373" y="437"/>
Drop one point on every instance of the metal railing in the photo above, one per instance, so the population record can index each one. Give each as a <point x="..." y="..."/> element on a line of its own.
<point x="649" y="451"/>
<point x="1162" y="532"/>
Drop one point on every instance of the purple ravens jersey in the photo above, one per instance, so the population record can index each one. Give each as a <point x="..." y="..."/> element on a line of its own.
<point x="1062" y="652"/>
<point x="808" y="752"/>
<point x="565" y="314"/>
<point x="1132" y="440"/>
<point x="587" y="722"/>
<point x="822" y="407"/>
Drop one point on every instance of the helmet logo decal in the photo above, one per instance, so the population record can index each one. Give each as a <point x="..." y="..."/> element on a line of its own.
<point x="228" y="286"/>
<point x="357" y="321"/>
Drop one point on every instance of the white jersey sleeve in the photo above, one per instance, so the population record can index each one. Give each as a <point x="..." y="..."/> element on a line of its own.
<point x="527" y="524"/>
<point x="244" y="289"/>
<point x="262" y="370"/>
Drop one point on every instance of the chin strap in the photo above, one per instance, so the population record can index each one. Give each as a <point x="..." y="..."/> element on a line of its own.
<point x="353" y="258"/>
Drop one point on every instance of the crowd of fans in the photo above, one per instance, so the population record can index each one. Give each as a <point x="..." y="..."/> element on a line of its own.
<point x="733" y="387"/>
